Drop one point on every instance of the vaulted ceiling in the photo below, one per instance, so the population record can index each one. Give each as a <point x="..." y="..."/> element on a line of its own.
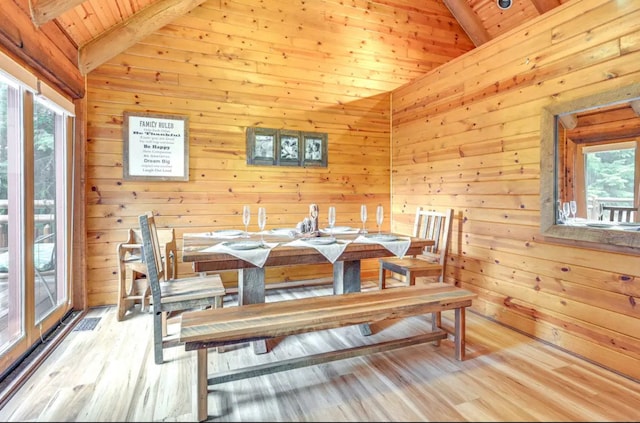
<point x="102" y="29"/>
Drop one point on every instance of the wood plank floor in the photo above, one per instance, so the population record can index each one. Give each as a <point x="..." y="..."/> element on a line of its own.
<point x="108" y="374"/>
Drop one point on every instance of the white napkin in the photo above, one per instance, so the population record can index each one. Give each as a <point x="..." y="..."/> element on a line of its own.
<point x="256" y="256"/>
<point x="398" y="247"/>
<point x="331" y="251"/>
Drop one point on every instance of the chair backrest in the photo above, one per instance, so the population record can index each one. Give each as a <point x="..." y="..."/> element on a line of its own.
<point x="436" y="225"/>
<point x="151" y="254"/>
<point x="165" y="236"/>
<point x="620" y="214"/>
<point x="168" y="249"/>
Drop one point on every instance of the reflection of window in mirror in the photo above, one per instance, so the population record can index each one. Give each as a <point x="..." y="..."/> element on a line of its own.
<point x="597" y="161"/>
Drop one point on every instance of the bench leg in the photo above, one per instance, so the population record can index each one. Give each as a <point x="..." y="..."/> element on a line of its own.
<point x="436" y="323"/>
<point x="460" y="333"/>
<point x="202" y="384"/>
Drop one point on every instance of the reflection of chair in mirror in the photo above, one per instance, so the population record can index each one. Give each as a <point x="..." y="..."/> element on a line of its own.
<point x="133" y="288"/>
<point x="170" y="294"/>
<point x="430" y="224"/>
<point x="619" y="214"/>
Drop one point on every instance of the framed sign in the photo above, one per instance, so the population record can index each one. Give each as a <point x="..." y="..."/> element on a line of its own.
<point x="156" y="147"/>
<point x="315" y="149"/>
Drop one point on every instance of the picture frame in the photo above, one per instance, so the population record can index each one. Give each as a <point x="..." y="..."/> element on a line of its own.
<point x="289" y="151"/>
<point x="261" y="146"/>
<point x="286" y="147"/>
<point x="315" y="149"/>
<point x="155" y="147"/>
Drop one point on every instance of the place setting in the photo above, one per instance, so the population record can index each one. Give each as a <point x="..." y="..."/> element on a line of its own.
<point x="329" y="246"/>
<point x="253" y="251"/>
<point x="220" y="233"/>
<point x="397" y="245"/>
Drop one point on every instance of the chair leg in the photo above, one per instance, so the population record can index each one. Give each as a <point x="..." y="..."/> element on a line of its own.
<point x="157" y="336"/>
<point x="411" y="278"/>
<point x="218" y="304"/>
<point x="165" y="317"/>
<point x="382" y="280"/>
<point x="124" y="292"/>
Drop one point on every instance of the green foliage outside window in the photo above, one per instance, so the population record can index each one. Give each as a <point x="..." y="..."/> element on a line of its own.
<point x="611" y="174"/>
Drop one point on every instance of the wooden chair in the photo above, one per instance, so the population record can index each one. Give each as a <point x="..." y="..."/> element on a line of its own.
<point x="133" y="287"/>
<point x="620" y="214"/>
<point x="431" y="224"/>
<point x="173" y="294"/>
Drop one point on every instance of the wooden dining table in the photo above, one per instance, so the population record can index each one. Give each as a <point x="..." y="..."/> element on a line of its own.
<point x="251" y="278"/>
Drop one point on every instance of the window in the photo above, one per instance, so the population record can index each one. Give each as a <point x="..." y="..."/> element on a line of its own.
<point x="36" y="134"/>
<point x="610" y="174"/>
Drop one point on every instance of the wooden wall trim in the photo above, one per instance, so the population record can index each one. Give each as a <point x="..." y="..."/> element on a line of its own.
<point x="28" y="45"/>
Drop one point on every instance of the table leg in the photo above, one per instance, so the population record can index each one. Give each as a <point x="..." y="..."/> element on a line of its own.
<point x="346" y="279"/>
<point x="251" y="290"/>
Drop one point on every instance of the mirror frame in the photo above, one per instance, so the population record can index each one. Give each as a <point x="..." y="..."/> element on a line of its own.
<point x="549" y="170"/>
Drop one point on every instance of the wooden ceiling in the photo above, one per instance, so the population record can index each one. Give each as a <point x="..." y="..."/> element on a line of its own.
<point x="101" y="29"/>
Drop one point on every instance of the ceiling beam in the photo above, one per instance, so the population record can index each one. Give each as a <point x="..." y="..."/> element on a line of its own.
<point x="26" y="43"/>
<point x="42" y="11"/>
<point x="468" y="20"/>
<point x="543" y="6"/>
<point x="127" y="33"/>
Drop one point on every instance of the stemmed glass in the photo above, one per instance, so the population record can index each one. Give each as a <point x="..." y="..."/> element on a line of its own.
<point x="246" y="218"/>
<point x="600" y="210"/>
<point x="573" y="205"/>
<point x="379" y="217"/>
<point x="363" y="217"/>
<point x="262" y="222"/>
<point x="331" y="217"/>
<point x="565" y="210"/>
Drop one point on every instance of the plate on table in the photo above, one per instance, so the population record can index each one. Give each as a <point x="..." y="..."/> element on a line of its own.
<point x="382" y="237"/>
<point x="599" y="225"/>
<point x="338" y="229"/>
<point x="631" y="224"/>
<point x="283" y="231"/>
<point x="227" y="232"/>
<point x="327" y="240"/>
<point x="242" y="245"/>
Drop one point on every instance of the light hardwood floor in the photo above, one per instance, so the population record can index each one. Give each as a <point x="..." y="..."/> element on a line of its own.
<point x="108" y="374"/>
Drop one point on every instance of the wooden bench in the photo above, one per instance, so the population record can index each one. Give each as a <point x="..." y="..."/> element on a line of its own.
<point x="210" y="328"/>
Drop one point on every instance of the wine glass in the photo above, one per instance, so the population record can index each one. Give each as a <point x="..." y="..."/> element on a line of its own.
<point x="600" y="210"/>
<point x="379" y="216"/>
<point x="566" y="210"/>
<point x="573" y="205"/>
<point x="331" y="218"/>
<point x="262" y="222"/>
<point x="363" y="217"/>
<point x="246" y="218"/>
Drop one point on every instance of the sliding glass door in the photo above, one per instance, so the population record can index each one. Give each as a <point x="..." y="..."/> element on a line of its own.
<point x="35" y="140"/>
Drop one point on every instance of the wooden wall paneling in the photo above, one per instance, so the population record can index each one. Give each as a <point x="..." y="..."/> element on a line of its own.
<point x="229" y="66"/>
<point x="577" y="298"/>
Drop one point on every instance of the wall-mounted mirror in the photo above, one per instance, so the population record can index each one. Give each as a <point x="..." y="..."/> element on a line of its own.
<point x="590" y="168"/>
